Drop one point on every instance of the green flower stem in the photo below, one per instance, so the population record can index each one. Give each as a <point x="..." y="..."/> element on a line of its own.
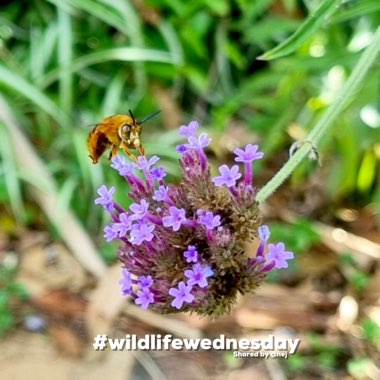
<point x="328" y="118"/>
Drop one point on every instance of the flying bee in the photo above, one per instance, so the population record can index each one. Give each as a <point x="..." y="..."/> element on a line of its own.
<point x="117" y="131"/>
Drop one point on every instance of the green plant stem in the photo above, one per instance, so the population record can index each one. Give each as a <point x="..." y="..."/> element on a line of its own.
<point x="327" y="120"/>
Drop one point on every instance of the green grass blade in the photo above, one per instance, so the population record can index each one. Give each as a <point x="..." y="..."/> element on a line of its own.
<point x="98" y="10"/>
<point x="124" y="54"/>
<point x="11" y="177"/>
<point x="133" y="26"/>
<point x="113" y="95"/>
<point x="361" y="8"/>
<point x="66" y="192"/>
<point x="31" y="92"/>
<point x="42" y="48"/>
<point x="65" y="53"/>
<point x="306" y="30"/>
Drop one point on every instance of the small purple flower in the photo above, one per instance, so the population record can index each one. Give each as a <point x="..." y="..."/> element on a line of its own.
<point x="209" y="220"/>
<point x="191" y="254"/>
<point x="144" y="298"/>
<point x="122" y="166"/>
<point x="228" y="176"/>
<point x="198" y="275"/>
<point x="141" y="231"/>
<point x="181" y="295"/>
<point x="175" y="219"/>
<point x="117" y="162"/>
<point x="126" y="282"/>
<point x="110" y="233"/>
<point x="105" y="198"/>
<point x="181" y="148"/>
<point x="249" y="154"/>
<point x="189" y="130"/>
<point x="279" y="255"/>
<point x="199" y="142"/>
<point x="139" y="210"/>
<point x="145" y="281"/>
<point x="158" y="173"/>
<point x="160" y="194"/>
<point x="264" y="234"/>
<point x="124" y="225"/>
<point x="144" y="164"/>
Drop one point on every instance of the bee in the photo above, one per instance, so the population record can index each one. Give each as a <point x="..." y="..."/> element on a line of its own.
<point x="117" y="131"/>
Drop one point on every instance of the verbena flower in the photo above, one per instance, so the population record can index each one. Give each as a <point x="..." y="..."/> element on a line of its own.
<point x="144" y="297"/>
<point x="279" y="255"/>
<point x="105" y="198"/>
<point x="181" y="295"/>
<point x="175" y="219"/>
<point x="189" y="130"/>
<point x="126" y="282"/>
<point x="191" y="254"/>
<point x="227" y="176"/>
<point x="209" y="220"/>
<point x="182" y="246"/>
<point x="198" y="275"/>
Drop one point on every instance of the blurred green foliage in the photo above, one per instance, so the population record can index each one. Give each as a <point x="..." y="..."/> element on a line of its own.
<point x="67" y="64"/>
<point x="322" y="357"/>
<point x="11" y="293"/>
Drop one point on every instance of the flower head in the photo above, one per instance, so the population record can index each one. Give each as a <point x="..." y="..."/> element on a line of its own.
<point x="227" y="176"/>
<point x="182" y="245"/>
<point x="181" y="295"/>
<point x="279" y="255"/>
<point x="249" y="154"/>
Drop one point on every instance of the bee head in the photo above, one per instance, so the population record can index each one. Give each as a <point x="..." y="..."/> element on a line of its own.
<point x="130" y="130"/>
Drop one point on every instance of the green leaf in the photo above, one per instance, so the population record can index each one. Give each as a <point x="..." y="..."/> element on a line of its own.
<point x="305" y="31"/>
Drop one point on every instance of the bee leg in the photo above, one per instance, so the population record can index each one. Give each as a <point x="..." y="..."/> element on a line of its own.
<point x="113" y="152"/>
<point x="128" y="152"/>
<point x="141" y="150"/>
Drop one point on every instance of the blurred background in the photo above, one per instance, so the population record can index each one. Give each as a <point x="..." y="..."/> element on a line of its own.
<point x="65" y="65"/>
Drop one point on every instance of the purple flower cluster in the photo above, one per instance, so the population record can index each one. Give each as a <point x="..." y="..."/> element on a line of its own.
<point x="182" y="246"/>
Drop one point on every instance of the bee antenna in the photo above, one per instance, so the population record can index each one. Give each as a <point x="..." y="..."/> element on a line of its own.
<point x="133" y="118"/>
<point x="149" y="116"/>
